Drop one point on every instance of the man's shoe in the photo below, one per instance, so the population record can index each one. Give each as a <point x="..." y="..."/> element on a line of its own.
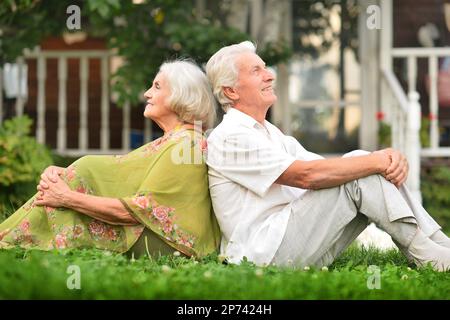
<point x="441" y="239"/>
<point x="423" y="251"/>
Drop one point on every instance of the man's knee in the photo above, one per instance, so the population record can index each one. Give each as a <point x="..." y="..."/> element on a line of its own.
<point x="357" y="186"/>
<point x="373" y="180"/>
<point x="356" y="153"/>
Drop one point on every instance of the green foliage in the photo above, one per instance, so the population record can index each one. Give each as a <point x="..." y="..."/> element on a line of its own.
<point x="384" y="133"/>
<point x="104" y="275"/>
<point x="435" y="187"/>
<point x="24" y="23"/>
<point x="22" y="160"/>
<point x="425" y="133"/>
<point x="103" y="7"/>
<point x="63" y="161"/>
<point x="276" y="52"/>
<point x="145" y="35"/>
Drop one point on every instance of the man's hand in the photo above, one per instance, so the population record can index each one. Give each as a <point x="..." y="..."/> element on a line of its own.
<point x="397" y="172"/>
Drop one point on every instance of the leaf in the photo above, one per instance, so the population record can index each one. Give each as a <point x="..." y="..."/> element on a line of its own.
<point x="22" y="160"/>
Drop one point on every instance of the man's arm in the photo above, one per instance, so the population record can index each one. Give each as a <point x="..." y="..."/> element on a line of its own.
<point x="327" y="173"/>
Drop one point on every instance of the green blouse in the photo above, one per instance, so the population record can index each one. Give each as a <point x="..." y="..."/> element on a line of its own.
<point x="163" y="185"/>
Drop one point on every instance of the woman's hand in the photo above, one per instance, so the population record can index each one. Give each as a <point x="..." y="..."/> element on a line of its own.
<point x="52" y="194"/>
<point x="52" y="172"/>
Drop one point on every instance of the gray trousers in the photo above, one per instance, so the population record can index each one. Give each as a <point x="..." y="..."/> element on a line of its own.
<point x="325" y="222"/>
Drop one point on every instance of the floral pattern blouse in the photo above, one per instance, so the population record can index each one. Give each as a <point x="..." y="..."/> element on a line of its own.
<point x="163" y="185"/>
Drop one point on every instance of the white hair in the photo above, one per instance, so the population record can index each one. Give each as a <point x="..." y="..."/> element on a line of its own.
<point x="190" y="97"/>
<point x="222" y="71"/>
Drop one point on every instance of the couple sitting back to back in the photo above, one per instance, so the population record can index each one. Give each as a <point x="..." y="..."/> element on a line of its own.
<point x="259" y="194"/>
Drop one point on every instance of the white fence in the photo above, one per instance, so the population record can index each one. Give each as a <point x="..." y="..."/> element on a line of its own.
<point x="405" y="110"/>
<point x="405" y="126"/>
<point x="432" y="54"/>
<point x="83" y="133"/>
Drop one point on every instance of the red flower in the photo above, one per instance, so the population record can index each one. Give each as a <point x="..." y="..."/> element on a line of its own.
<point x="186" y="242"/>
<point x="96" y="228"/>
<point x="203" y="145"/>
<point x="28" y="239"/>
<point x="60" y="241"/>
<point x="25" y="226"/>
<point x="161" y="213"/>
<point x="185" y="239"/>
<point x="167" y="227"/>
<point x="141" y="201"/>
<point x="380" y="115"/>
<point x="81" y="189"/>
<point x="112" y="234"/>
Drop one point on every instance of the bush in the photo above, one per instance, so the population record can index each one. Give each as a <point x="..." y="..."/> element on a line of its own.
<point x="22" y="160"/>
<point x="435" y="186"/>
<point x="63" y="161"/>
<point x="385" y="139"/>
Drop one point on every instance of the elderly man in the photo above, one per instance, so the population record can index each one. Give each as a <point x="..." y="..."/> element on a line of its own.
<point x="278" y="203"/>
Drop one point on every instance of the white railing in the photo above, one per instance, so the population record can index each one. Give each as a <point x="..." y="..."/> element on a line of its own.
<point x="405" y="125"/>
<point x="83" y="133"/>
<point x="432" y="54"/>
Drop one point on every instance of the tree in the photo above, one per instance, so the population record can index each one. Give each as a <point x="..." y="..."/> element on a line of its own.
<point x="144" y="34"/>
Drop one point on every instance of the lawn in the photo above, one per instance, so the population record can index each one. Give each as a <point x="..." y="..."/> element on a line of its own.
<point x="104" y="275"/>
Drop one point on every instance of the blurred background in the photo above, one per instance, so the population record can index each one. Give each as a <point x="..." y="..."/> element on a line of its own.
<point x="351" y="74"/>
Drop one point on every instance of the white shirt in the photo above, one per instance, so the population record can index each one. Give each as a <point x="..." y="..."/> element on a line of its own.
<point x="244" y="159"/>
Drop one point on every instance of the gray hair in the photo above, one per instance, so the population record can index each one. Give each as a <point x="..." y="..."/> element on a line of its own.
<point x="191" y="97"/>
<point x="222" y="71"/>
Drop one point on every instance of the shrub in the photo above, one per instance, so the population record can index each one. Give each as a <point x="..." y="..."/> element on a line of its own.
<point x="435" y="186"/>
<point x="22" y="160"/>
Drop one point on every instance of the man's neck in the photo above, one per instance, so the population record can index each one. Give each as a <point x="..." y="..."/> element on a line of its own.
<point x="257" y="114"/>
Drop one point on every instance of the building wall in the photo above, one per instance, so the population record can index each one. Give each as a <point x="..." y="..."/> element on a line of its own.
<point x="410" y="15"/>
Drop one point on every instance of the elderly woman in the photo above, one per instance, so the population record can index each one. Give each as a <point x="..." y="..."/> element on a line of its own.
<point x="152" y="200"/>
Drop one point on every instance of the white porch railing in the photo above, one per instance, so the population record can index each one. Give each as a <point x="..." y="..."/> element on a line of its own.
<point x="432" y="54"/>
<point x="405" y="126"/>
<point x="83" y="133"/>
<point x="405" y="110"/>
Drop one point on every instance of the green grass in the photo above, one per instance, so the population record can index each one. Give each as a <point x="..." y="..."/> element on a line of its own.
<point x="104" y="275"/>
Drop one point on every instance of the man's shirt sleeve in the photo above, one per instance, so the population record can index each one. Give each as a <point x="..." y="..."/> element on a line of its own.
<point x="249" y="161"/>
<point x="297" y="150"/>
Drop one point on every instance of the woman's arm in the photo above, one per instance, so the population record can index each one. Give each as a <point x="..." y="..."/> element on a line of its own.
<point x="108" y="210"/>
<point x="58" y="194"/>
